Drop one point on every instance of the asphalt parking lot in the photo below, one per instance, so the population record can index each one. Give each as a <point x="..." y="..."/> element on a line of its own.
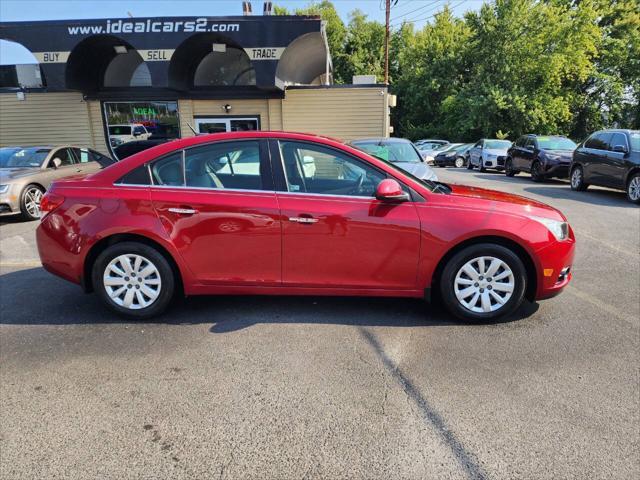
<point x="281" y="388"/>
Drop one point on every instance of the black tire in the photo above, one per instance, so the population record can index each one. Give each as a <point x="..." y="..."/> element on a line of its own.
<point x="536" y="172"/>
<point x="469" y="164"/>
<point x="167" y="285"/>
<point x="578" y="184"/>
<point x="455" y="264"/>
<point x="633" y="188"/>
<point x="458" y="162"/>
<point x="26" y="197"/>
<point x="481" y="166"/>
<point x="508" y="168"/>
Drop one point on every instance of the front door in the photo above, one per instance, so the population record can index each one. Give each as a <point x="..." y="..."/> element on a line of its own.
<point x="335" y="233"/>
<point x="218" y="205"/>
<point x="226" y="124"/>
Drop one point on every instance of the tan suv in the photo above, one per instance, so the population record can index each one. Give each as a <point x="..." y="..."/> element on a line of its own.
<point x="27" y="172"/>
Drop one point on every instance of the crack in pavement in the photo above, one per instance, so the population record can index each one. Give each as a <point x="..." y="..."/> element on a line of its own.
<point x="466" y="459"/>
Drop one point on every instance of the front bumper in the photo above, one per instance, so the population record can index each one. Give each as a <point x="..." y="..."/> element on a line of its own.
<point x="558" y="170"/>
<point x="497" y="163"/>
<point x="9" y="203"/>
<point x="556" y="261"/>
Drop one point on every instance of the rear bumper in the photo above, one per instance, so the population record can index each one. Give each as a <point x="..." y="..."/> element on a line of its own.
<point x="556" y="262"/>
<point x="59" y="254"/>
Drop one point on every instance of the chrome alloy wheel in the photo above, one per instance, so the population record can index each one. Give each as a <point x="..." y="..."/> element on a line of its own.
<point x="459" y="163"/>
<point x="32" y="199"/>
<point x="576" y="177"/>
<point x="132" y="281"/>
<point x="484" y="284"/>
<point x="634" y="188"/>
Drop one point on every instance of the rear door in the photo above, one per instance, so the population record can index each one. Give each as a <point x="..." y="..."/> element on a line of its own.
<point x="217" y="203"/>
<point x="335" y="233"/>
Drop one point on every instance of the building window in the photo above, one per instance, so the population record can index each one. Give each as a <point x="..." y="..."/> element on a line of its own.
<point x="136" y="126"/>
<point x="229" y="68"/>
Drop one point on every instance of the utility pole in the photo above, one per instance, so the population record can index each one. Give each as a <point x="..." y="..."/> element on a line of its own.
<point x="386" y="41"/>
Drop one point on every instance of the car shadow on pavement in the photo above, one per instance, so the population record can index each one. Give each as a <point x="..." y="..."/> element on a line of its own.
<point x="13" y="219"/>
<point x="35" y="297"/>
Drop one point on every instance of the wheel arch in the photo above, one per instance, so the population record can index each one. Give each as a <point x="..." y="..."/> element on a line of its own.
<point x="518" y="249"/>
<point x="632" y="171"/>
<point x="110" y="240"/>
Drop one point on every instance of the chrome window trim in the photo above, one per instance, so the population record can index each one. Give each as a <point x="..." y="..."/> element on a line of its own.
<point x="329" y="195"/>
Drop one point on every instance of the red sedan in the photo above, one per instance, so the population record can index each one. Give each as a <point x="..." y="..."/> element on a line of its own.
<point x="290" y="214"/>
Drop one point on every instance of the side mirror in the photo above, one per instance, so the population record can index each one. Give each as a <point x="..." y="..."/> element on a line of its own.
<point x="57" y="162"/>
<point x="620" y="148"/>
<point x="389" y="190"/>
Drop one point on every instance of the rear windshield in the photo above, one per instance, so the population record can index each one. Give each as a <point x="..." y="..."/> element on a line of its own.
<point x="12" y="157"/>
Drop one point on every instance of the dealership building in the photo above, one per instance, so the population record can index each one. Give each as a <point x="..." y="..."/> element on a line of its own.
<point x="96" y="78"/>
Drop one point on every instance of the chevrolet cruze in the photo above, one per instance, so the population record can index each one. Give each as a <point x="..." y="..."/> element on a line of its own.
<point x="279" y="213"/>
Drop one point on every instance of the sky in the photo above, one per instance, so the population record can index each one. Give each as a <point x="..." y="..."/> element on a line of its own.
<point x="419" y="11"/>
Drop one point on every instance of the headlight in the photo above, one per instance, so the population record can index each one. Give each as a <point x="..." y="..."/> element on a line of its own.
<point x="559" y="229"/>
<point x="4" y="188"/>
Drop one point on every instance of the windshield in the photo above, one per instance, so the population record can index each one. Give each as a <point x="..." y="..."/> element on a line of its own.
<point x="634" y="137"/>
<point x="497" y="144"/>
<point x="433" y="145"/>
<point x="555" y="143"/>
<point x="120" y="130"/>
<point x="22" y="157"/>
<point x="390" y="151"/>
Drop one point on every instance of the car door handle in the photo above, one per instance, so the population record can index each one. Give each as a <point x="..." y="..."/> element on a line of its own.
<point x="303" y="220"/>
<point x="183" y="211"/>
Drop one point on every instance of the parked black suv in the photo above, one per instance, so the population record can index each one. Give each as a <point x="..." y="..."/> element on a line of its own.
<point x="542" y="156"/>
<point x="609" y="158"/>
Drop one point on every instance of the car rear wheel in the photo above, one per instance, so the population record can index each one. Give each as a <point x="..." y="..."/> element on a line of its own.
<point x="483" y="282"/>
<point x="30" y="202"/>
<point x="536" y="172"/>
<point x="633" y="188"/>
<point x="459" y="162"/>
<point x="134" y="279"/>
<point x="577" y="179"/>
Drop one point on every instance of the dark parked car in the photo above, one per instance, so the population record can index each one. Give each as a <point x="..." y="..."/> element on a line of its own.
<point x="454" y="156"/>
<point x="609" y="158"/>
<point x="542" y="156"/>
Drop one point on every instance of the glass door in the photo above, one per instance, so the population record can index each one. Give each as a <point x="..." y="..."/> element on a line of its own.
<point x="225" y="124"/>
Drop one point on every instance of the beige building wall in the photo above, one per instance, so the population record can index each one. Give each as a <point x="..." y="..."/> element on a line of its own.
<point x="59" y="118"/>
<point x="49" y="118"/>
<point x="343" y="113"/>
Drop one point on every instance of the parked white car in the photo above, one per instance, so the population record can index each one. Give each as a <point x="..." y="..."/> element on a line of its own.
<point x="128" y="133"/>
<point x="488" y="153"/>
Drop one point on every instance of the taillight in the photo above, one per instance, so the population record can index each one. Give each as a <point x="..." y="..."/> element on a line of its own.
<point x="49" y="203"/>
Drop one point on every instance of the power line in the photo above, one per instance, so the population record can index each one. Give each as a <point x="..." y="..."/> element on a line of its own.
<point x="428" y="16"/>
<point x="415" y="10"/>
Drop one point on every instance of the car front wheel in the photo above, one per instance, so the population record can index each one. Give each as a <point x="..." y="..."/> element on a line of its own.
<point x="469" y="165"/>
<point x="633" y="188"/>
<point x="459" y="162"/>
<point x="133" y="279"/>
<point x="577" y="179"/>
<point x="508" y="168"/>
<point x="483" y="282"/>
<point x="536" y="172"/>
<point x="30" y="202"/>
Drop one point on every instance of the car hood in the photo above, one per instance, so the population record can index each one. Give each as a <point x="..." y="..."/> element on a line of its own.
<point x="508" y="201"/>
<point x="8" y="174"/>
<point x="418" y="169"/>
<point x="566" y="155"/>
<point x="495" y="151"/>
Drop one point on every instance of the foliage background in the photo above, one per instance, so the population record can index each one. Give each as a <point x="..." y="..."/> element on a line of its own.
<point x="516" y="66"/>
